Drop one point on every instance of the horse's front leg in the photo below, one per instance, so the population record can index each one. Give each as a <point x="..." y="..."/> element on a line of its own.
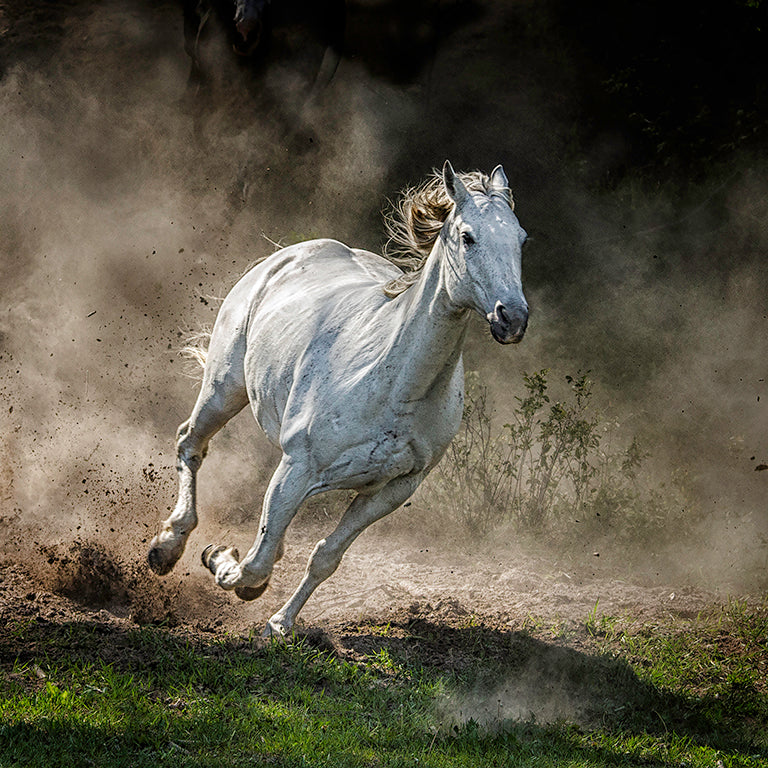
<point x="328" y="552"/>
<point x="249" y="577"/>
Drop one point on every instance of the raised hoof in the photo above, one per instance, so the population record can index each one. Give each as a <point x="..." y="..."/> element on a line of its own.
<point x="250" y="593"/>
<point x="159" y="562"/>
<point x="211" y="553"/>
<point x="205" y="556"/>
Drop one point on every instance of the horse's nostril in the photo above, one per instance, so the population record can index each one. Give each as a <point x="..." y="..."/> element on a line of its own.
<point x="513" y="320"/>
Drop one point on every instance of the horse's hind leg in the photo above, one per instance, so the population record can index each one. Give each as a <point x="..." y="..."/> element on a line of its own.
<point x="222" y="395"/>
<point x="328" y="552"/>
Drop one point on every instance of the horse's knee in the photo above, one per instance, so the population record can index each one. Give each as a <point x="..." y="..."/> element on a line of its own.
<point x="190" y="449"/>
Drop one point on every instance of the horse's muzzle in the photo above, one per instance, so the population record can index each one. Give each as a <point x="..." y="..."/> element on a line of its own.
<point x="508" y="324"/>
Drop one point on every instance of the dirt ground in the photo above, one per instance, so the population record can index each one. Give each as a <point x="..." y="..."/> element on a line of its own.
<point x="525" y="615"/>
<point x="118" y="228"/>
<point x="382" y="577"/>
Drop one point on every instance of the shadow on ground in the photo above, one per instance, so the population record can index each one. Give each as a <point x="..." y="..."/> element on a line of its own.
<point x="505" y="683"/>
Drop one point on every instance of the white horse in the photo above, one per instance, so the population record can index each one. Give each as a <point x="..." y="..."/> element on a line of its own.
<point x="353" y="367"/>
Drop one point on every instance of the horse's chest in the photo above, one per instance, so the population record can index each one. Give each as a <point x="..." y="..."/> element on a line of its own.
<point x="368" y="455"/>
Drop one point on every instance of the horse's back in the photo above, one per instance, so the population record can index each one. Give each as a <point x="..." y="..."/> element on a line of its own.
<point x="302" y="280"/>
<point x="333" y="266"/>
<point x="318" y="266"/>
<point x="291" y="310"/>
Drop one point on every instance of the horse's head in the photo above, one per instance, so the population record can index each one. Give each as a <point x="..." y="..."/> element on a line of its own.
<point x="249" y="22"/>
<point x="483" y="241"/>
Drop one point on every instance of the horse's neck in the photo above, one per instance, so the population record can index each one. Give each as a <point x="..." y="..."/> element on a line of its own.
<point x="431" y="333"/>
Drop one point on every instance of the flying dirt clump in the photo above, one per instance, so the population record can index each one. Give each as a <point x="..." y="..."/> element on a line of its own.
<point x="88" y="574"/>
<point x="94" y="577"/>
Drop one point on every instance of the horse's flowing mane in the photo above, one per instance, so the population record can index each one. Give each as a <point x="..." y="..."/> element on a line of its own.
<point x="413" y="223"/>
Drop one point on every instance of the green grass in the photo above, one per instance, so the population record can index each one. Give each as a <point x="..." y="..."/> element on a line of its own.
<point x="669" y="694"/>
<point x="717" y="663"/>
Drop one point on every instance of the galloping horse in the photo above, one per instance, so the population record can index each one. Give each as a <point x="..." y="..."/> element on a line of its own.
<point x="353" y="367"/>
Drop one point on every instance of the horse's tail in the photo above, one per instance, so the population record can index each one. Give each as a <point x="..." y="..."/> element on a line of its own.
<point x="196" y="348"/>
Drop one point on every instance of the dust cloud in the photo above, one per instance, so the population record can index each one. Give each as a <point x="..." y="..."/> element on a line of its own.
<point x="124" y="219"/>
<point x="120" y="229"/>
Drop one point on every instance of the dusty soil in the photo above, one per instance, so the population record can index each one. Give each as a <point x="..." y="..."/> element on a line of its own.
<point x="513" y="629"/>
<point x="381" y="578"/>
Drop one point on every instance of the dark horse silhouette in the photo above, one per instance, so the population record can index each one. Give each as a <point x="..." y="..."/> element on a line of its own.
<point x="280" y="52"/>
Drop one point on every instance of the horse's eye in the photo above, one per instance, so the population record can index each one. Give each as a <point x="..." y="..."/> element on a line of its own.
<point x="467" y="239"/>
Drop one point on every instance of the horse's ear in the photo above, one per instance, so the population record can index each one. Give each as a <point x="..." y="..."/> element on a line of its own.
<point x="454" y="186"/>
<point x="500" y="184"/>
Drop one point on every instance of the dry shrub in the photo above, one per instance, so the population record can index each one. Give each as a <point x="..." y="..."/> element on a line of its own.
<point x="550" y="466"/>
